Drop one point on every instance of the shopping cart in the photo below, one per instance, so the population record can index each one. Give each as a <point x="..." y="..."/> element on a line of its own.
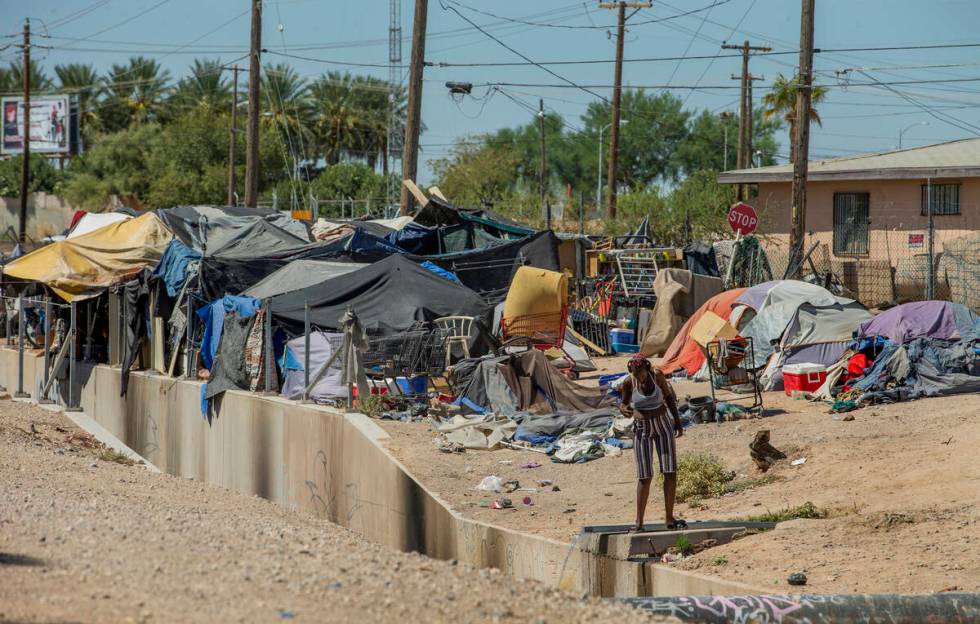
<point x="539" y="331"/>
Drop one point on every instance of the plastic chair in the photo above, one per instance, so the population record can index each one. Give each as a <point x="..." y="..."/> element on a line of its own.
<point x="458" y="333"/>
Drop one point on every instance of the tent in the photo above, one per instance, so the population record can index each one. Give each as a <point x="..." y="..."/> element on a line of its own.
<point x="91" y="221"/>
<point x="299" y="274"/>
<point x="212" y="227"/>
<point x="387" y="296"/>
<point x="83" y="267"/>
<point x="923" y="319"/>
<point x="679" y="294"/>
<point x="684" y="353"/>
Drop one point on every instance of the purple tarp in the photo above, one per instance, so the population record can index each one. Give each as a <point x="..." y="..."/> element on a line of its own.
<point x="919" y="319"/>
<point x="754" y="296"/>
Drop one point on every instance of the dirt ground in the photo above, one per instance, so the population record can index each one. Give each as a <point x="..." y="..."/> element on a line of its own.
<point x="85" y="539"/>
<point x="900" y="484"/>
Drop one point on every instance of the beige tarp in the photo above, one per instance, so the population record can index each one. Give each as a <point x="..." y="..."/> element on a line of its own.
<point x="82" y="267"/>
<point x="679" y="294"/>
<point x="536" y="291"/>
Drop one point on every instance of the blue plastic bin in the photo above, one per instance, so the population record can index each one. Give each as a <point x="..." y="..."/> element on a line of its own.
<point x="622" y="336"/>
<point x="619" y="347"/>
<point x="413" y="385"/>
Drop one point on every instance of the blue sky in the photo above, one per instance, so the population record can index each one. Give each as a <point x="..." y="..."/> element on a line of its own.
<point x="856" y="118"/>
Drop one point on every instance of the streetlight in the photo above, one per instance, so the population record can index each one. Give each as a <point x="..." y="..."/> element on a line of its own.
<point x="598" y="189"/>
<point x="902" y="131"/>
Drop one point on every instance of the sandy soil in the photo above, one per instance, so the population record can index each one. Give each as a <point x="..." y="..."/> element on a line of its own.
<point x="901" y="485"/>
<point x="83" y="539"/>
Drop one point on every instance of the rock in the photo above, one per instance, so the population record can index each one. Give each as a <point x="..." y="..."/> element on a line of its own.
<point x="796" y="578"/>
<point x="848" y="418"/>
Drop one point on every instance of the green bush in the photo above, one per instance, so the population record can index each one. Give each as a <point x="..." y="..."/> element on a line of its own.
<point x="44" y="176"/>
<point x="700" y="475"/>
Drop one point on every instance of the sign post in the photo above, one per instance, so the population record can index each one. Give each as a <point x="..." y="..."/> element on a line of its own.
<point x="743" y="219"/>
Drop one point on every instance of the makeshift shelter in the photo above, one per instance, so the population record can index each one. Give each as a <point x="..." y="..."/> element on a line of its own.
<point x="300" y="274"/>
<point x="91" y="221"/>
<point x="83" y="267"/>
<point x="683" y="352"/>
<point x="941" y="320"/>
<point x="209" y="228"/>
<point x="679" y="294"/>
<point x="388" y="296"/>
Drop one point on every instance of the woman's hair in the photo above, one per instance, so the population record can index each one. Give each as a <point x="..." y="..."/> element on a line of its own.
<point x="637" y="362"/>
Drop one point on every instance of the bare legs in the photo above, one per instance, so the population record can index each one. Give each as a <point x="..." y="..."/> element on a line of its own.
<point x="642" y="494"/>
<point x="670" y="490"/>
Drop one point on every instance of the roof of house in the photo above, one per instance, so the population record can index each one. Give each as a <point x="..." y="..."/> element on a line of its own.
<point x="953" y="159"/>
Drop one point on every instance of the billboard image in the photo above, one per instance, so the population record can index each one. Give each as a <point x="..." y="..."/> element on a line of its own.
<point x="49" y="124"/>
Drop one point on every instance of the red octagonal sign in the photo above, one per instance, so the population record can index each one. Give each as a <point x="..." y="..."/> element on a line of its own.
<point x="742" y="218"/>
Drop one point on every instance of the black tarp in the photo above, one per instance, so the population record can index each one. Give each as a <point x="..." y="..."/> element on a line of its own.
<point x="135" y="302"/>
<point x="388" y="296"/>
<point x="700" y="259"/>
<point x="226" y="225"/>
<point x="489" y="271"/>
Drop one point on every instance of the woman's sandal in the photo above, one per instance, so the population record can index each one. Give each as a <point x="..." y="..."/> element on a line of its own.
<point x="636" y="528"/>
<point x="678" y="523"/>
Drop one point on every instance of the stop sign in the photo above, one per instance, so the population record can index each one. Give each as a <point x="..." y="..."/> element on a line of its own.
<point x="742" y="218"/>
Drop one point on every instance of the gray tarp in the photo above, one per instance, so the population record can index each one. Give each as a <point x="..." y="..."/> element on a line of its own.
<point x="299" y="274"/>
<point x="322" y="346"/>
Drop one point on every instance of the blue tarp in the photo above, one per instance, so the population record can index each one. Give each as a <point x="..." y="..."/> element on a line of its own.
<point x="213" y="317"/>
<point x="441" y="272"/>
<point x="172" y="267"/>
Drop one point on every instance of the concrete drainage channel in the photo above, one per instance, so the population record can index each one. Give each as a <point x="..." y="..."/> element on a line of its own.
<point x="335" y="466"/>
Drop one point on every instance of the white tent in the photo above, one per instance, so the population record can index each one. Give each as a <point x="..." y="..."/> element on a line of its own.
<point x="92" y="221"/>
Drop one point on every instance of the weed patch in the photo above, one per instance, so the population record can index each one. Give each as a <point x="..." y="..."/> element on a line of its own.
<point x="807" y="510"/>
<point x="700" y="475"/>
<point x="114" y="456"/>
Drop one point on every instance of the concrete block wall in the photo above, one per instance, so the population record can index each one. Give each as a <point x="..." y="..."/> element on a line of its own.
<point x="334" y="466"/>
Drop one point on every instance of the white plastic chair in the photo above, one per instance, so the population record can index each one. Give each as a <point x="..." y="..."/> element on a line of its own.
<point x="459" y="334"/>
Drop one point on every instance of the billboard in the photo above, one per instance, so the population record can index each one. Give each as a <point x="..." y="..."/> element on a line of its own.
<point x="50" y="122"/>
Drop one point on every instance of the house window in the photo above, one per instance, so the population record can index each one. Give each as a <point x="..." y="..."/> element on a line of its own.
<point x="851" y="223"/>
<point x="945" y="199"/>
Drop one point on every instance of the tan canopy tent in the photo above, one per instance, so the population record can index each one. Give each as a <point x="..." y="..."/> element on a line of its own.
<point x="82" y="267"/>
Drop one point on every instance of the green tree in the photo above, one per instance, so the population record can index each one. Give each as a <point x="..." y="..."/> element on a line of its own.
<point x="135" y="94"/>
<point x="118" y="164"/>
<point x="704" y="147"/>
<point x="284" y="99"/>
<point x="348" y="180"/>
<point x="82" y="80"/>
<point x="40" y="81"/>
<point x="44" y="176"/>
<point x="478" y="173"/>
<point x="780" y="102"/>
<point x="699" y="208"/>
<point x="205" y="89"/>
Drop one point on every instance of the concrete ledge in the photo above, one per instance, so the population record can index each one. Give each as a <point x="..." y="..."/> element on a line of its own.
<point x="334" y="466"/>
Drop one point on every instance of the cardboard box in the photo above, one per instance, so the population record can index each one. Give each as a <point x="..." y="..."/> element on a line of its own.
<point x="711" y="327"/>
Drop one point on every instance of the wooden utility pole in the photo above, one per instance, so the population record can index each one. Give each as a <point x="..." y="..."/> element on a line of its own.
<point x="612" y="179"/>
<point x="802" y="138"/>
<point x="252" y="130"/>
<point x="25" y="167"/>
<point x="743" y="157"/>
<point x="233" y="138"/>
<point x="410" y="155"/>
<point x="542" y="173"/>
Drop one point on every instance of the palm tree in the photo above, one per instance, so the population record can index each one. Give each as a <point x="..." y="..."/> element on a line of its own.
<point x="335" y="116"/>
<point x="780" y="102"/>
<point x="135" y="93"/>
<point x="7" y="84"/>
<point x="284" y="98"/>
<point x="379" y="106"/>
<point x="205" y="89"/>
<point x="82" y="81"/>
<point x="40" y="82"/>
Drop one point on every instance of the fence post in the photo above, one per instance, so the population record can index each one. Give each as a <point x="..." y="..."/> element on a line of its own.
<point x="931" y="275"/>
<point x="72" y="335"/>
<point x="306" y="352"/>
<point x="189" y="368"/>
<point x="46" y="328"/>
<point x="20" y="394"/>
<point x="270" y="355"/>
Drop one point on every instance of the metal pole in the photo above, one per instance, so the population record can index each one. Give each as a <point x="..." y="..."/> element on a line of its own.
<point x="72" y="334"/>
<point x="20" y="394"/>
<point x="931" y="283"/>
<point x="270" y="357"/>
<point x="25" y="167"/>
<point x="189" y="372"/>
<point x="232" y="138"/>
<point x="542" y="173"/>
<point x="581" y="213"/>
<point x="306" y="352"/>
<point x="598" y="188"/>
<point x="46" y="328"/>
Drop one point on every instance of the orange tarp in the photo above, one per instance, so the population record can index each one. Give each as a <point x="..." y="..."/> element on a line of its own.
<point x="684" y="352"/>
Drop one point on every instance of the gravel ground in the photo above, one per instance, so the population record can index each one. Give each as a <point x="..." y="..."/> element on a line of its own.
<point x="86" y="539"/>
<point x="900" y="482"/>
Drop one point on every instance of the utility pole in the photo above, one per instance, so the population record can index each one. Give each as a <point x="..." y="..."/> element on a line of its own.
<point x="802" y="138"/>
<point x="232" y="138"/>
<point x="252" y="130"/>
<point x="410" y="156"/>
<point x="25" y="170"/>
<point x="744" y="154"/>
<point x="542" y="173"/>
<point x="617" y="93"/>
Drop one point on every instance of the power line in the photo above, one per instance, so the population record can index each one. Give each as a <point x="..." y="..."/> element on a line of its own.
<point x="583" y="27"/>
<point x="945" y="117"/>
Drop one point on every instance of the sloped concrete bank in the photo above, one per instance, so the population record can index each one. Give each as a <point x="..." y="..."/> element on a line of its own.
<point x="334" y="465"/>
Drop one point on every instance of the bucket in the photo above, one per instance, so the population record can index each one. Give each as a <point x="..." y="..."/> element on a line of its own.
<point x="702" y="408"/>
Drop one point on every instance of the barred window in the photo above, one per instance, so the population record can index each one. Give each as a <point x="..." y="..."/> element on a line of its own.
<point x="851" y="223"/>
<point x="945" y="199"/>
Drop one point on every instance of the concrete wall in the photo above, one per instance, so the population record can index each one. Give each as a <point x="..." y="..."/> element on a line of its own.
<point x="334" y="466"/>
<point x="46" y="214"/>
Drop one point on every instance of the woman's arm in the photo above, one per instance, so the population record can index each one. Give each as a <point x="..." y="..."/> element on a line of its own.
<point x="626" y="390"/>
<point x="670" y="399"/>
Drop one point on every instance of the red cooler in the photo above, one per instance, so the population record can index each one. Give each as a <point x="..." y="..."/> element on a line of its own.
<point x="804" y="376"/>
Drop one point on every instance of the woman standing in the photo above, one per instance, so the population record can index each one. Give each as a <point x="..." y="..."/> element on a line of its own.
<point x="649" y="400"/>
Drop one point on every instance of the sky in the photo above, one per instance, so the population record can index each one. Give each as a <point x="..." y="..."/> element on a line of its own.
<point x="858" y="115"/>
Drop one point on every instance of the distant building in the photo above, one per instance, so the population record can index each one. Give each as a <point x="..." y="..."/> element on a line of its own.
<point x="872" y="208"/>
